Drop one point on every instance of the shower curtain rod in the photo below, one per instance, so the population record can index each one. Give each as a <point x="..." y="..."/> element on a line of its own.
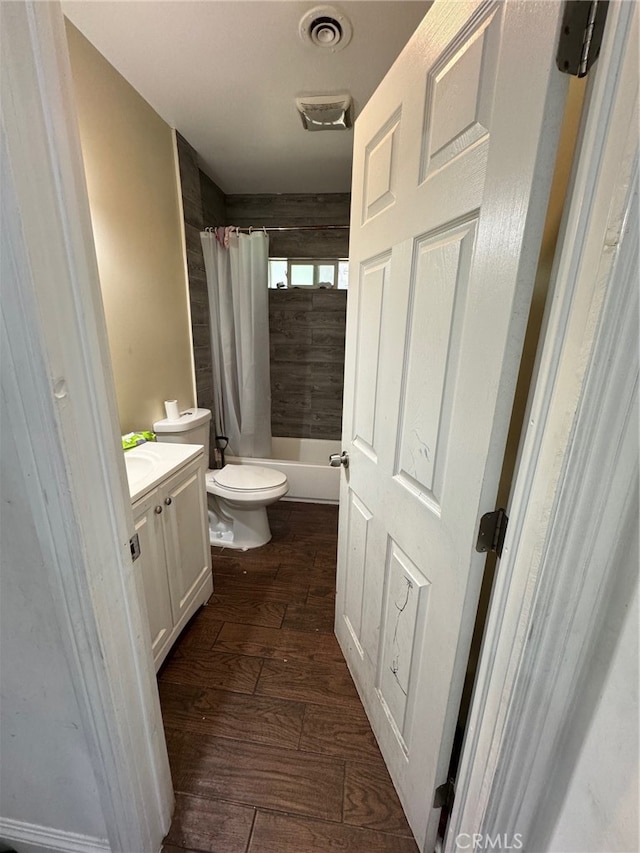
<point x="284" y="228"/>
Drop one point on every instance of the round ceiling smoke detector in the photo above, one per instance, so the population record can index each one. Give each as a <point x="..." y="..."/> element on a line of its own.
<point x="325" y="27"/>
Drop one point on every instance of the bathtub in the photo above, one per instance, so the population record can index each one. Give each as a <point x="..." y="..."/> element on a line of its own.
<point x="305" y="461"/>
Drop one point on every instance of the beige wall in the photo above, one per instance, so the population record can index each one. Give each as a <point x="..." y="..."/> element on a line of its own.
<point x="131" y="177"/>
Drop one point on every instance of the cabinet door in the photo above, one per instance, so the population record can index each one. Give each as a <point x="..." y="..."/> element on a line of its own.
<point x="152" y="566"/>
<point x="186" y="535"/>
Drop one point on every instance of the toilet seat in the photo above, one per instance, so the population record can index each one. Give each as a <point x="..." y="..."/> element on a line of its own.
<point x="244" y="484"/>
<point x="246" y="477"/>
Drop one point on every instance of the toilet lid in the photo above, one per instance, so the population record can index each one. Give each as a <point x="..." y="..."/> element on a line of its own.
<point x="248" y="477"/>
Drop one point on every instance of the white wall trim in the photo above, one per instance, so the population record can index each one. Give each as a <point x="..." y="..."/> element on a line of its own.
<point x="49" y="839"/>
<point x="553" y="581"/>
<point x="58" y="388"/>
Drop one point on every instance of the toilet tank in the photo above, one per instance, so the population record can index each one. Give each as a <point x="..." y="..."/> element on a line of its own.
<point x="192" y="427"/>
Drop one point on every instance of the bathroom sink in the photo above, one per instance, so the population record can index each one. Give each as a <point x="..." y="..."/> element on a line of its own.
<point x="140" y="463"/>
<point x="150" y="463"/>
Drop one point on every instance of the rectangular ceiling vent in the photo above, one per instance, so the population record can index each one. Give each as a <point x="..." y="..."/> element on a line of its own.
<point x="325" y="112"/>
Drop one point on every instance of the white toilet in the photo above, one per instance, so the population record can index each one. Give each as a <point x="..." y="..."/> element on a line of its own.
<point x="237" y="495"/>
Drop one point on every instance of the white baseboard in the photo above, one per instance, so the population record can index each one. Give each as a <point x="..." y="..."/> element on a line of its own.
<point x="31" y="838"/>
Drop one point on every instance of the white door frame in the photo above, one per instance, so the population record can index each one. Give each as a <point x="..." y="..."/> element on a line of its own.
<point x="59" y="392"/>
<point x="576" y="482"/>
<point x="64" y="392"/>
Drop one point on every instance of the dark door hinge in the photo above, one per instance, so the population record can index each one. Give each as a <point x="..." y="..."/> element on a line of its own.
<point x="493" y="528"/>
<point x="134" y="544"/>
<point x="581" y="35"/>
<point x="444" y="795"/>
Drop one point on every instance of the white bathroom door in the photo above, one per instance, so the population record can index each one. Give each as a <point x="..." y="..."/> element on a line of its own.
<point x="452" y="166"/>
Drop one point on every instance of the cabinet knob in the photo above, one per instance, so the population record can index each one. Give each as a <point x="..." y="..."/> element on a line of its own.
<point x="158" y="510"/>
<point x="168" y="501"/>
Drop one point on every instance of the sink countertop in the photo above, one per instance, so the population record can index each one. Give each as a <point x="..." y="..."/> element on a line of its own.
<point x="149" y="464"/>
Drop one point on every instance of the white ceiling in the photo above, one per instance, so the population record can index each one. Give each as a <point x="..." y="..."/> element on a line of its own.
<point x="225" y="73"/>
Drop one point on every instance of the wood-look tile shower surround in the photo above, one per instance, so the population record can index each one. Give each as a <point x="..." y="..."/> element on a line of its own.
<point x="270" y="748"/>
<point x="193" y="208"/>
<point x="306" y="333"/>
<point x="307" y="329"/>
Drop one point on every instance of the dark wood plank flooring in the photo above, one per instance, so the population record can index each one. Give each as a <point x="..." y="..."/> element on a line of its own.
<point x="270" y="749"/>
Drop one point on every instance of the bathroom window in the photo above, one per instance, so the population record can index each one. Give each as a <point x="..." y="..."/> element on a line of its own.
<point x="306" y="272"/>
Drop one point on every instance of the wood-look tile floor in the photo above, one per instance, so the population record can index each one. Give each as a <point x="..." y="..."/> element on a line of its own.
<point x="270" y="749"/>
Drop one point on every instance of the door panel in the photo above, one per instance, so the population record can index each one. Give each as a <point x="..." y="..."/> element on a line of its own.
<point x="459" y="94"/>
<point x="406" y="608"/>
<point x="437" y="298"/>
<point x="374" y="277"/>
<point x="359" y="518"/>
<point x="381" y="169"/>
<point x="453" y="158"/>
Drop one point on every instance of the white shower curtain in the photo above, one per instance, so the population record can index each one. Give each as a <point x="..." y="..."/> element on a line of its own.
<point x="237" y="282"/>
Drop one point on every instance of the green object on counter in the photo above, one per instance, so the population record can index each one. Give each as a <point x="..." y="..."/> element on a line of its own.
<point x="133" y="439"/>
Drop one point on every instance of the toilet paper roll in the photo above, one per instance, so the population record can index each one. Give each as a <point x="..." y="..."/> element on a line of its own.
<point x="171" y="408"/>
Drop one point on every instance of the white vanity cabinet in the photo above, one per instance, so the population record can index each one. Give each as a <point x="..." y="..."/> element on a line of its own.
<point x="175" y="556"/>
